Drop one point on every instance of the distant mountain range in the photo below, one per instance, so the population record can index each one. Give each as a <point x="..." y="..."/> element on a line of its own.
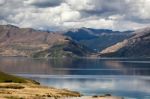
<point x="15" y="41"/>
<point x="83" y="42"/>
<point x="97" y="39"/>
<point x="135" y="46"/>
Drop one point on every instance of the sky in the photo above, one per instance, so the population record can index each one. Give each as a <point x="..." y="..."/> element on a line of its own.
<point x="66" y="14"/>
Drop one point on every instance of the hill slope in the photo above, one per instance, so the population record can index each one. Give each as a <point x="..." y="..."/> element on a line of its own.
<point x="6" y="78"/>
<point x="136" y="46"/>
<point x="67" y="49"/>
<point x="16" y="41"/>
<point x="97" y="39"/>
<point x="13" y="87"/>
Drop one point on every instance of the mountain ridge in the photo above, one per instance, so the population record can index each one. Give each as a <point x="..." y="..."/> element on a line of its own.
<point x="15" y="41"/>
<point x="97" y="39"/>
<point x="136" y="46"/>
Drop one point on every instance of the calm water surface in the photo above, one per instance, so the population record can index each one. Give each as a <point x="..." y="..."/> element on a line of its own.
<point x="122" y="77"/>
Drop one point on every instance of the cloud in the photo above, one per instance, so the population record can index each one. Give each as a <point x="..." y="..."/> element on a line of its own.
<point x="64" y="14"/>
<point x="44" y="3"/>
<point x="93" y="23"/>
<point x="138" y="11"/>
<point x="70" y="15"/>
<point x="2" y="2"/>
<point x="80" y="5"/>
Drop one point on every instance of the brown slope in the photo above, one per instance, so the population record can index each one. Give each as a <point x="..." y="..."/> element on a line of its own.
<point x="16" y="41"/>
<point x="136" y="46"/>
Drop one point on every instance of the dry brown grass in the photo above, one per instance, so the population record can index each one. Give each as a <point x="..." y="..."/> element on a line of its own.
<point x="32" y="91"/>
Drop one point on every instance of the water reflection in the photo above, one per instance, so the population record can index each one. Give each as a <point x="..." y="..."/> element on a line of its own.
<point x="75" y="66"/>
<point x="122" y="77"/>
<point x="137" y="87"/>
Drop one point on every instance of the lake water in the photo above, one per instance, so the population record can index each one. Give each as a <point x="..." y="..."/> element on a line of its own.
<point x="121" y="77"/>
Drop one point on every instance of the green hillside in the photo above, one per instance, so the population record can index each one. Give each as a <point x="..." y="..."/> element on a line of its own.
<point x="6" y="78"/>
<point x="68" y="49"/>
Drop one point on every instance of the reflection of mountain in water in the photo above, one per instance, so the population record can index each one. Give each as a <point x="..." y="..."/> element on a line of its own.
<point x="129" y="68"/>
<point x="120" y="77"/>
<point x="28" y="66"/>
<point x="75" y="66"/>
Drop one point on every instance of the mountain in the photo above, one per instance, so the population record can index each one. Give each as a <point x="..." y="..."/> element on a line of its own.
<point x="136" y="46"/>
<point x="97" y="39"/>
<point x="67" y="49"/>
<point x="15" y="41"/>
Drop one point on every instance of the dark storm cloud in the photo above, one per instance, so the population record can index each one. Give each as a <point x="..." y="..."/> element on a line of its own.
<point x="46" y="3"/>
<point x="99" y="13"/>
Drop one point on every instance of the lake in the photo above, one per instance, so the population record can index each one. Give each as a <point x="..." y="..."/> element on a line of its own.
<point x="121" y="77"/>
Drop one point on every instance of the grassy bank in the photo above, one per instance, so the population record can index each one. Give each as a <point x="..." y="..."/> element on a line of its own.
<point x="14" y="87"/>
<point x="6" y="78"/>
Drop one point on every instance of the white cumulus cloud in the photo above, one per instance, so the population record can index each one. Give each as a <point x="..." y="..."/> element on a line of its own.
<point x="64" y="14"/>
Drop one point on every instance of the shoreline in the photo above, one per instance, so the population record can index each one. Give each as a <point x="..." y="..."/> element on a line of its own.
<point x="35" y="91"/>
<point x="15" y="87"/>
